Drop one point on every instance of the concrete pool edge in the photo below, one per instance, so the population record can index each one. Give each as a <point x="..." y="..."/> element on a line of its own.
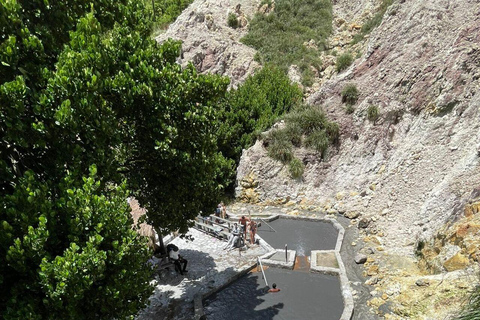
<point x="348" y="305"/>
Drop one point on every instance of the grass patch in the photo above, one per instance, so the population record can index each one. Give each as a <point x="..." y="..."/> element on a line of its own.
<point x="350" y="94"/>
<point x="296" y="168"/>
<point x="373" y="22"/>
<point x="280" y="150"/>
<point x="306" y="126"/>
<point x="344" y="61"/>
<point x="279" y="36"/>
<point x="472" y="310"/>
<point x="232" y="20"/>
<point x="372" y="113"/>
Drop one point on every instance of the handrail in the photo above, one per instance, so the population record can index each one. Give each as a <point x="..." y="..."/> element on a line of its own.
<point x="263" y="272"/>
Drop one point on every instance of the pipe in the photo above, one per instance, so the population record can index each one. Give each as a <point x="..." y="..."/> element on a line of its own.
<point x="263" y="272"/>
<point x="286" y="254"/>
<point x="268" y="225"/>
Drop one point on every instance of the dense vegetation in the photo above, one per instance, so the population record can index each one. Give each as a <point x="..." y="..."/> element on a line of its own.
<point x="306" y="126"/>
<point x="90" y="106"/>
<point x="93" y="111"/>
<point x="254" y="107"/>
<point x="280" y="35"/>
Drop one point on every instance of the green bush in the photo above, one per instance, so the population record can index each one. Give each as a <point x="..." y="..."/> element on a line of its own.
<point x="350" y="94"/>
<point x="372" y="113"/>
<point x="280" y="150"/>
<point x="344" y="61"/>
<point x="232" y="20"/>
<point x="279" y="37"/>
<point x="349" y="109"/>
<point x="308" y="118"/>
<point x="296" y="168"/>
<point x="318" y="141"/>
<point x="254" y="107"/>
<point x="333" y="131"/>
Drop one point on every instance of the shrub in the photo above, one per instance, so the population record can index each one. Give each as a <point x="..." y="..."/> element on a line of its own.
<point x="344" y="61"/>
<point x="333" y="131"/>
<point x="280" y="150"/>
<point x="293" y="133"/>
<point x="472" y="310"/>
<point x="296" y="168"/>
<point x="350" y="94"/>
<point x="372" y="113"/>
<point x="306" y="125"/>
<point x="318" y="141"/>
<point x="232" y="20"/>
<point x="279" y="36"/>
<point x="349" y="109"/>
<point x="308" y="118"/>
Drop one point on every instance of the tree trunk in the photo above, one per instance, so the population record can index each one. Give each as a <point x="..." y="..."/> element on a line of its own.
<point x="163" y="250"/>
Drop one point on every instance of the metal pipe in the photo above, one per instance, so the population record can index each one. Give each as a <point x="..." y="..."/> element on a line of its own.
<point x="268" y="225"/>
<point x="263" y="272"/>
<point x="286" y="253"/>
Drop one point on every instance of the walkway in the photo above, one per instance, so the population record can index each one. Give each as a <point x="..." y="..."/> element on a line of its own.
<point x="210" y="267"/>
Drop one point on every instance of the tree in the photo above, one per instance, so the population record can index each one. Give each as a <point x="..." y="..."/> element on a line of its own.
<point x="71" y="255"/>
<point x="103" y="105"/>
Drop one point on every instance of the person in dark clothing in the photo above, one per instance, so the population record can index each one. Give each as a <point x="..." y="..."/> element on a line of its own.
<point x="177" y="259"/>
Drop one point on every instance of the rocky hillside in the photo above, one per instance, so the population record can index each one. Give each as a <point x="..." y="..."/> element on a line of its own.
<point x="417" y="165"/>
<point x="209" y="43"/>
<point x="410" y="180"/>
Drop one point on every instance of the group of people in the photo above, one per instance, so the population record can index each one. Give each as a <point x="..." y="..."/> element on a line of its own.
<point x="238" y="233"/>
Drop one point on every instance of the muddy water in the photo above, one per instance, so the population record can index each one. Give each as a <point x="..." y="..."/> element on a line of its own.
<point x="303" y="295"/>
<point x="300" y="235"/>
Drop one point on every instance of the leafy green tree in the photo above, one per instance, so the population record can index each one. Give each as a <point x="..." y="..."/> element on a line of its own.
<point x="253" y="107"/>
<point x="71" y="255"/>
<point x="108" y="95"/>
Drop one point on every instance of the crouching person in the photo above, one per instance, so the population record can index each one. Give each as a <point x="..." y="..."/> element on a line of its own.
<point x="234" y="235"/>
<point x="177" y="259"/>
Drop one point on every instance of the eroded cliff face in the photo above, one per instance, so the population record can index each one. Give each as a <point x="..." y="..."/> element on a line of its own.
<point x="417" y="166"/>
<point x="210" y="43"/>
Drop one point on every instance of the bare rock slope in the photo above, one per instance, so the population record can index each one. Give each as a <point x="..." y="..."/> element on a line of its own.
<point x="418" y="164"/>
<point x="210" y="43"/>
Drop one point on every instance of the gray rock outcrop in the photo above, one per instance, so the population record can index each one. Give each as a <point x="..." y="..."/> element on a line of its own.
<point x="209" y="43"/>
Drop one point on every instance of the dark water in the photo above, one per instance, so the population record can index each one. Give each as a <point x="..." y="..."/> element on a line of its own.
<point x="303" y="296"/>
<point x="300" y="235"/>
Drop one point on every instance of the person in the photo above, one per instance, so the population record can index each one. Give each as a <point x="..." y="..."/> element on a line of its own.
<point x="274" y="288"/>
<point x="233" y="238"/>
<point x="218" y="212"/>
<point x="253" y="231"/>
<point x="243" y="221"/>
<point x="177" y="259"/>
<point x="224" y="210"/>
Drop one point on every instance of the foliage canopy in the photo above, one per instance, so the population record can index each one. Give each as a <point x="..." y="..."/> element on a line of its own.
<point x="91" y="105"/>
